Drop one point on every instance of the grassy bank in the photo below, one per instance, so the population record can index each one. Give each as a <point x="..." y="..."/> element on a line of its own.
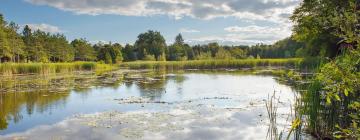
<point x="217" y="64"/>
<point x="8" y="69"/>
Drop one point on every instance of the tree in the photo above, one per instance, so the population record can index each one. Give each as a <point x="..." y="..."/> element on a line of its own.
<point x="178" y="51"/>
<point x="129" y="53"/>
<point x="107" y="58"/>
<point x="179" y="40"/>
<point x="223" y="54"/>
<point x="109" y="53"/>
<point x="5" y="50"/>
<point x="16" y="44"/>
<point x="237" y="53"/>
<point x="151" y="42"/>
<point x="323" y="23"/>
<point x="83" y="50"/>
<point x="115" y="52"/>
<point x="213" y="47"/>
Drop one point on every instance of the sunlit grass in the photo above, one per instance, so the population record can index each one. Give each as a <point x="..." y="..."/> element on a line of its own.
<point x="9" y="69"/>
<point x="214" y="64"/>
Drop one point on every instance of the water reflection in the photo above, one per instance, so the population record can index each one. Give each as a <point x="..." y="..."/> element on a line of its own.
<point x="12" y="104"/>
<point x="34" y="101"/>
<point x="26" y="95"/>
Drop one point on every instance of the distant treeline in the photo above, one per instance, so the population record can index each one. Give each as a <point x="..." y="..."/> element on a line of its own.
<point x="40" y="46"/>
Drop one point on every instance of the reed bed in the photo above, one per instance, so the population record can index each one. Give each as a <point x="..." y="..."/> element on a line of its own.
<point x="9" y="69"/>
<point x="215" y="64"/>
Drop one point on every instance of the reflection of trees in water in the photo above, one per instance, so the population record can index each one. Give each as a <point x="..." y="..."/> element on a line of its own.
<point x="42" y="101"/>
<point x="152" y="84"/>
<point x="153" y="90"/>
<point x="178" y="79"/>
<point x="43" y="94"/>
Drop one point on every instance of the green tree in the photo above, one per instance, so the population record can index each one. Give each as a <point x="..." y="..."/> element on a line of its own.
<point x="83" y="50"/>
<point x="109" y="53"/>
<point x="129" y="53"/>
<point x="15" y="42"/>
<point x="179" y="40"/>
<point x="152" y="42"/>
<point x="5" y="50"/>
<point x="323" y="23"/>
<point x="223" y="54"/>
<point x="178" y="50"/>
<point x="115" y="52"/>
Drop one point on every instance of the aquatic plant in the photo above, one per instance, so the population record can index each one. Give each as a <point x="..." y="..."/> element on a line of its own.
<point x="271" y="108"/>
<point x="215" y="64"/>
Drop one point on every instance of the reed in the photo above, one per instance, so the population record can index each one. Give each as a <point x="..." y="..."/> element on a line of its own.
<point x="271" y="108"/>
<point x="215" y="64"/>
<point x="9" y="69"/>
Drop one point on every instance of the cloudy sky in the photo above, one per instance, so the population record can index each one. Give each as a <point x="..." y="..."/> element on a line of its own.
<point x="231" y="22"/>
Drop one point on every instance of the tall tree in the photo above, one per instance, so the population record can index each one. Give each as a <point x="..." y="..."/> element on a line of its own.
<point x="179" y="40"/>
<point x="5" y="50"/>
<point x="177" y="51"/>
<point x="16" y="44"/>
<point x="323" y="23"/>
<point x="151" y="42"/>
<point x="83" y="50"/>
<point x="129" y="53"/>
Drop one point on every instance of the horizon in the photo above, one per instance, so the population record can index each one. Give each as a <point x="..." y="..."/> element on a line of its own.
<point x="230" y="23"/>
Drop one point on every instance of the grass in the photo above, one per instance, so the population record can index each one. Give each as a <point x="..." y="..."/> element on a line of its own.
<point x="8" y="69"/>
<point x="215" y="64"/>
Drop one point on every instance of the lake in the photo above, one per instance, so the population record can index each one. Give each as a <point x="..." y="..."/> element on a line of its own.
<point x="143" y="105"/>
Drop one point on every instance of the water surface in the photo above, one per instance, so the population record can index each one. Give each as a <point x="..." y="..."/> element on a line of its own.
<point x="145" y="105"/>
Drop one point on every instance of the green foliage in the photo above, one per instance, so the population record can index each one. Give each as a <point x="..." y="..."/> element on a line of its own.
<point x="178" y="51"/>
<point x="285" y="48"/>
<point x="323" y="23"/>
<point x="152" y="43"/>
<point x="83" y="50"/>
<point x="331" y="28"/>
<point x="129" y="53"/>
<point x="223" y="54"/>
<point x="340" y="80"/>
<point x="109" y="53"/>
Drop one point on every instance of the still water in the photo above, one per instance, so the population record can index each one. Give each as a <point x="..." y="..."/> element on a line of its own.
<point x="143" y="105"/>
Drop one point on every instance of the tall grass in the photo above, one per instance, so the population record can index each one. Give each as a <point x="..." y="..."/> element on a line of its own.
<point x="8" y="69"/>
<point x="215" y="64"/>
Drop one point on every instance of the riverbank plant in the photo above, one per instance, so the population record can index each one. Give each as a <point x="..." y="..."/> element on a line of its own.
<point x="332" y="102"/>
<point x="216" y="64"/>
<point x="8" y="69"/>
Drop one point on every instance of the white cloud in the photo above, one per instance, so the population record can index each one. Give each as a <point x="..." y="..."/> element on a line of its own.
<point x="283" y="30"/>
<point x="246" y="35"/>
<point x="274" y="12"/>
<point x="205" y="9"/>
<point x="186" y="30"/>
<point x="45" y="27"/>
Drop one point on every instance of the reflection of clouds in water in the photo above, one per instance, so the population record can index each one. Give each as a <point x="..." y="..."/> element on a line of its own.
<point x="242" y="91"/>
<point x="199" y="123"/>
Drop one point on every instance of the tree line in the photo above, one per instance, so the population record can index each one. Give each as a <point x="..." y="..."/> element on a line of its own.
<point x="39" y="46"/>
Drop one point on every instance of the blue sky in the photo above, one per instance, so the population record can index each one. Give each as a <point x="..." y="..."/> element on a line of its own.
<point x="231" y="22"/>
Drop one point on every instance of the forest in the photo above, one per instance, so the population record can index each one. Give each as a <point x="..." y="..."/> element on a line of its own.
<point x="39" y="46"/>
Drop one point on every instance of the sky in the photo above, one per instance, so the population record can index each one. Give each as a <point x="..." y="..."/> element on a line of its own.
<point x="228" y="22"/>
